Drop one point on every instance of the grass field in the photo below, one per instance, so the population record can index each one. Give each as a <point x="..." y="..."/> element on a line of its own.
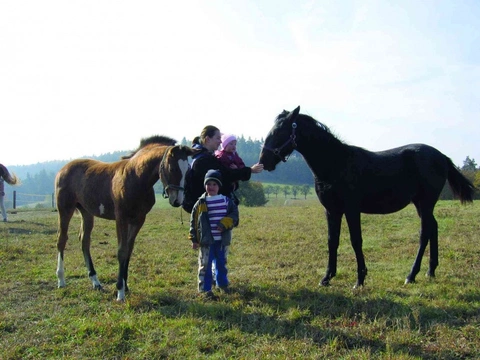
<point x="276" y="308"/>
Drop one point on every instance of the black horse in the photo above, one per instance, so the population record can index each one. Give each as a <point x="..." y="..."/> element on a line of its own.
<point x="350" y="180"/>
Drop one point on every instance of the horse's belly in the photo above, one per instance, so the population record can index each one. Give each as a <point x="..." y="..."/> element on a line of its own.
<point x="386" y="204"/>
<point x="102" y="210"/>
<point x="383" y="202"/>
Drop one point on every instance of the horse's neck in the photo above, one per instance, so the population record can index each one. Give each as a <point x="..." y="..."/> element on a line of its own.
<point x="324" y="155"/>
<point x="148" y="170"/>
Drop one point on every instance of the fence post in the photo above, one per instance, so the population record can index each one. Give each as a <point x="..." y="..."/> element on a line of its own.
<point x="14" y="199"/>
<point x="53" y="202"/>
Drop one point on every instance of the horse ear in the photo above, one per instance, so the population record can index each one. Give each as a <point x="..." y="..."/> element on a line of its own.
<point x="294" y="113"/>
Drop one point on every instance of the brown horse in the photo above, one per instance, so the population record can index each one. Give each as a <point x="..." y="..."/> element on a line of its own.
<point x="120" y="191"/>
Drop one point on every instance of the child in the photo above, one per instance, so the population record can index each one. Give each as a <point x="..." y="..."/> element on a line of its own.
<point x="229" y="157"/>
<point x="211" y="222"/>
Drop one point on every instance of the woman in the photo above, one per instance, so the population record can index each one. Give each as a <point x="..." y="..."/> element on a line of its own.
<point x="209" y="141"/>
<point x="10" y="179"/>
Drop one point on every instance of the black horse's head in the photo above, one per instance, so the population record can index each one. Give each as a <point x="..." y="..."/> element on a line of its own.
<point x="280" y="140"/>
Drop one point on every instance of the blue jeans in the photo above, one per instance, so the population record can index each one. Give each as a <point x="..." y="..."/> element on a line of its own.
<point x="206" y="256"/>
<point x="2" y="208"/>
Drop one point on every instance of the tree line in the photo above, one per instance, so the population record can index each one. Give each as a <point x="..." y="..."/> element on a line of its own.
<point x="294" y="175"/>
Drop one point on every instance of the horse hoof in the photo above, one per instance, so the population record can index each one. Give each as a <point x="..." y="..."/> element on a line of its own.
<point x="324" y="283"/>
<point x="408" y="281"/>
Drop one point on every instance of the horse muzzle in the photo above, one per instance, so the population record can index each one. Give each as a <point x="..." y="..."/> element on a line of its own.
<point x="268" y="162"/>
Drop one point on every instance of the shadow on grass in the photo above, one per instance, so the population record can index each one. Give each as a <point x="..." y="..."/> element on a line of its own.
<point x="21" y="231"/>
<point x="23" y="227"/>
<point x="323" y="318"/>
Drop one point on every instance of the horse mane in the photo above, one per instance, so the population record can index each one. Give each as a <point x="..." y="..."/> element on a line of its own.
<point x="155" y="139"/>
<point x="310" y="121"/>
<point x="312" y="125"/>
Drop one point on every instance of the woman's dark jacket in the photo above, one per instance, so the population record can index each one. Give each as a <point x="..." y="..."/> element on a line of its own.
<point x="205" y="161"/>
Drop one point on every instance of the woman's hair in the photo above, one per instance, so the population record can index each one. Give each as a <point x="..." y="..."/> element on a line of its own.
<point x="196" y="140"/>
<point x="209" y="131"/>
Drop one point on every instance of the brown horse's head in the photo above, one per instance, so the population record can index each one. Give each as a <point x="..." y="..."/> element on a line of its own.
<point x="173" y="169"/>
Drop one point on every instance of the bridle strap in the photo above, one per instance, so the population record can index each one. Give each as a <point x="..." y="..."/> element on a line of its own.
<point x="291" y="139"/>
<point x="164" y="172"/>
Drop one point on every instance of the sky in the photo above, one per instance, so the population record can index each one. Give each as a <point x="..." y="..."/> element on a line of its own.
<point x="85" y="78"/>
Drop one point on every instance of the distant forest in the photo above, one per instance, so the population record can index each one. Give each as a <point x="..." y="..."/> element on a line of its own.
<point x="39" y="178"/>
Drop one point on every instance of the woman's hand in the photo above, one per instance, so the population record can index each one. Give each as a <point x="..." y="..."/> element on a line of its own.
<point x="257" y="168"/>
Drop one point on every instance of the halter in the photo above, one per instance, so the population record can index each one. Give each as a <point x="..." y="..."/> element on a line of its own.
<point x="291" y="139"/>
<point x="164" y="172"/>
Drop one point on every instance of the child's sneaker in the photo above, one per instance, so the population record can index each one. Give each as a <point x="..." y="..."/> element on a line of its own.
<point x="208" y="295"/>
<point x="225" y="289"/>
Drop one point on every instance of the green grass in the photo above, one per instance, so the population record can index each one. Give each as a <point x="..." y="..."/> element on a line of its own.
<point x="276" y="309"/>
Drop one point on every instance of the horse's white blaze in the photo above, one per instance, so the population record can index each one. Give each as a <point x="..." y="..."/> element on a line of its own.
<point x="60" y="272"/>
<point x="121" y="293"/>
<point x="183" y="165"/>
<point x="101" y="209"/>
<point x="95" y="282"/>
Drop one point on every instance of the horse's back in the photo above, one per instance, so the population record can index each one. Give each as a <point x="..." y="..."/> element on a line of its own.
<point x="86" y="183"/>
<point x="78" y="172"/>
<point x="387" y="181"/>
<point x="421" y="152"/>
<point x="416" y="161"/>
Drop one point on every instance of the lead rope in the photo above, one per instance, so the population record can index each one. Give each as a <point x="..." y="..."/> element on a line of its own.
<point x="181" y="215"/>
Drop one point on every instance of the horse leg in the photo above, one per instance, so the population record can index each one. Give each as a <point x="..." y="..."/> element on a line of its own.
<point x="334" y="221"/>
<point x="85" y="237"/>
<point x="433" y="248"/>
<point x="354" y="226"/>
<point x="64" y="217"/>
<point x="122" y="254"/>
<point x="133" y="230"/>
<point x="428" y="227"/>
<point x="126" y="238"/>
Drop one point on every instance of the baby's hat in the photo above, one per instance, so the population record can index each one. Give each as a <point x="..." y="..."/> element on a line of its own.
<point x="213" y="175"/>
<point x="227" y="139"/>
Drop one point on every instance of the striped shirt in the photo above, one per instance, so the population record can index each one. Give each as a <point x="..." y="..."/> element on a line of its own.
<point x="217" y="210"/>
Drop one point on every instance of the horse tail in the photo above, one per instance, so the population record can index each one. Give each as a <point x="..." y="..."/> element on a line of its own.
<point x="11" y="179"/>
<point x="462" y="188"/>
